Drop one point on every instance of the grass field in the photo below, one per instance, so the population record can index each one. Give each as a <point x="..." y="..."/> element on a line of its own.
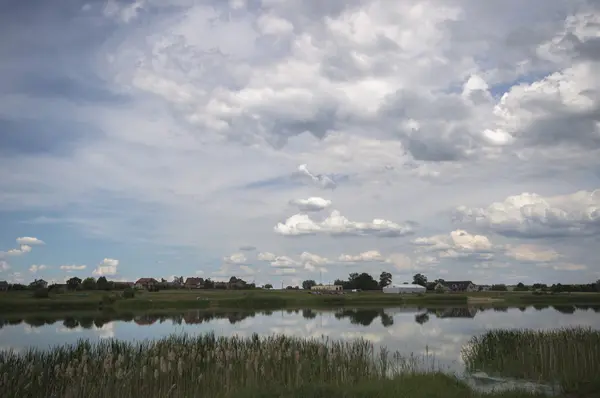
<point x="205" y="366"/>
<point x="263" y="299"/>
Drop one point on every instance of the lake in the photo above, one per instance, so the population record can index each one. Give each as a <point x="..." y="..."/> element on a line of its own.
<point x="434" y="337"/>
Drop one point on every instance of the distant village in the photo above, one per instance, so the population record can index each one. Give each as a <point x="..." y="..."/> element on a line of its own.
<point x="355" y="282"/>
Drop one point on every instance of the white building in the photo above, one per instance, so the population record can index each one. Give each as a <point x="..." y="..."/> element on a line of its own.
<point x="404" y="289"/>
<point x="328" y="288"/>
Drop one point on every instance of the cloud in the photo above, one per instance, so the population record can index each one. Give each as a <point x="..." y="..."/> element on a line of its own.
<point x="17" y="252"/>
<point x="338" y="225"/>
<point x="530" y="215"/>
<point x="409" y="108"/>
<point x="319" y="180"/>
<point x="566" y="267"/>
<point x="368" y="256"/>
<point x="4" y="266"/>
<point x="247" y="248"/>
<point x="29" y="241"/>
<point x="531" y="253"/>
<point x="36" y="268"/>
<point x="70" y="268"/>
<point x="457" y="244"/>
<point x="107" y="267"/>
<point x="236" y="258"/>
<point x="311" y="204"/>
<point x="266" y="256"/>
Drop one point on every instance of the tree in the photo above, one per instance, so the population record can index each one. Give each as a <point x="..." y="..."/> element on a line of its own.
<point x="268" y="286"/>
<point x="308" y="284"/>
<point x="89" y="283"/>
<point x="598" y="285"/>
<point x="385" y="279"/>
<point x="73" y="283"/>
<point x="420" y="279"/>
<point x="102" y="283"/>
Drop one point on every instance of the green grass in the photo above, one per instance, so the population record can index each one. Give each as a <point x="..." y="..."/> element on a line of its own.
<point x="569" y="357"/>
<point x="264" y="299"/>
<point x="198" y="299"/>
<point x="206" y="366"/>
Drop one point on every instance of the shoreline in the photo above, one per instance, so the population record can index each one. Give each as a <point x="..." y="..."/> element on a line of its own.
<point x="24" y="302"/>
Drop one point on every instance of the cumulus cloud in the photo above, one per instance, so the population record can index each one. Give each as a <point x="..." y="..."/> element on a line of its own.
<point x="311" y="204"/>
<point x="457" y="243"/>
<point x="368" y="256"/>
<point x="29" y="241"/>
<point x="70" y="268"/>
<point x="236" y="258"/>
<point x="530" y="215"/>
<point x="36" y="268"/>
<point x="107" y="267"/>
<point x="266" y="256"/>
<point x="17" y="252"/>
<point x="338" y="225"/>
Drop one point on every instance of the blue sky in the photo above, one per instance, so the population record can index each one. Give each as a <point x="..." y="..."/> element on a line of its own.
<point x="280" y="141"/>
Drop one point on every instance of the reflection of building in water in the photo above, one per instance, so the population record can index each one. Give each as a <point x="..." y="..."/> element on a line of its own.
<point x="460" y="312"/>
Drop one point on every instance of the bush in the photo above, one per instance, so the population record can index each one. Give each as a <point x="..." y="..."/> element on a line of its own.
<point x="128" y="293"/>
<point x="41" y="292"/>
<point x="108" y="299"/>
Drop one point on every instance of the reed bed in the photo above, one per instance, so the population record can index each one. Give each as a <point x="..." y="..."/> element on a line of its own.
<point x="567" y="357"/>
<point x="184" y="366"/>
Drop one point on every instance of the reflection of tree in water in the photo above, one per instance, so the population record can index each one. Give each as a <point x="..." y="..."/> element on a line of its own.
<point x="454" y="312"/>
<point x="309" y="314"/>
<point x="70" y="322"/>
<point x="565" y="309"/>
<point x="146" y="319"/>
<point x="38" y="321"/>
<point x="86" y="322"/>
<point x="540" y="307"/>
<point x="422" y="318"/>
<point x="365" y="317"/>
<point x="522" y="309"/>
<point x="500" y="309"/>
<point x="196" y="317"/>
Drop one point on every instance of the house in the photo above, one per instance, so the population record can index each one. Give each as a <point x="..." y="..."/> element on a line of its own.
<point x="3" y="286"/>
<point x="484" y="288"/>
<point x="328" y="288"/>
<point x="146" y="283"/>
<point x="456" y="286"/>
<point x="194" y="283"/>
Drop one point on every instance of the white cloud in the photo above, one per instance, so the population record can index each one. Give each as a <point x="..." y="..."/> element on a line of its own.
<point x="21" y="250"/>
<point x="320" y="180"/>
<point x="368" y="256"/>
<point x="70" y="268"/>
<point x="266" y="256"/>
<point x="532" y="215"/>
<point x="566" y="267"/>
<point x="107" y="267"/>
<point x="236" y="258"/>
<point x="338" y="225"/>
<point x="311" y="204"/>
<point x="4" y="266"/>
<point x="455" y="243"/>
<point x="29" y="241"/>
<point x="36" y="268"/>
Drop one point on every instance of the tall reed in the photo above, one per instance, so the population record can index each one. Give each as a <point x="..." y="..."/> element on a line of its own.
<point x="569" y="357"/>
<point x="184" y="366"/>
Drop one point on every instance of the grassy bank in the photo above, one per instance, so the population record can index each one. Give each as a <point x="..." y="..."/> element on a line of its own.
<point x="263" y="299"/>
<point x="182" y="366"/>
<point x="569" y="357"/>
<point x="201" y="299"/>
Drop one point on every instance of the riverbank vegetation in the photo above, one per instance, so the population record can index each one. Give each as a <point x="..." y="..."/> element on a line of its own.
<point x="569" y="357"/>
<point x="135" y="300"/>
<point x="183" y="366"/>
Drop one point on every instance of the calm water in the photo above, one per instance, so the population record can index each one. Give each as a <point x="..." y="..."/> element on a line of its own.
<point x="440" y="334"/>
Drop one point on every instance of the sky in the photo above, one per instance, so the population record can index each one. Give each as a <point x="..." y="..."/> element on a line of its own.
<point x="279" y="141"/>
